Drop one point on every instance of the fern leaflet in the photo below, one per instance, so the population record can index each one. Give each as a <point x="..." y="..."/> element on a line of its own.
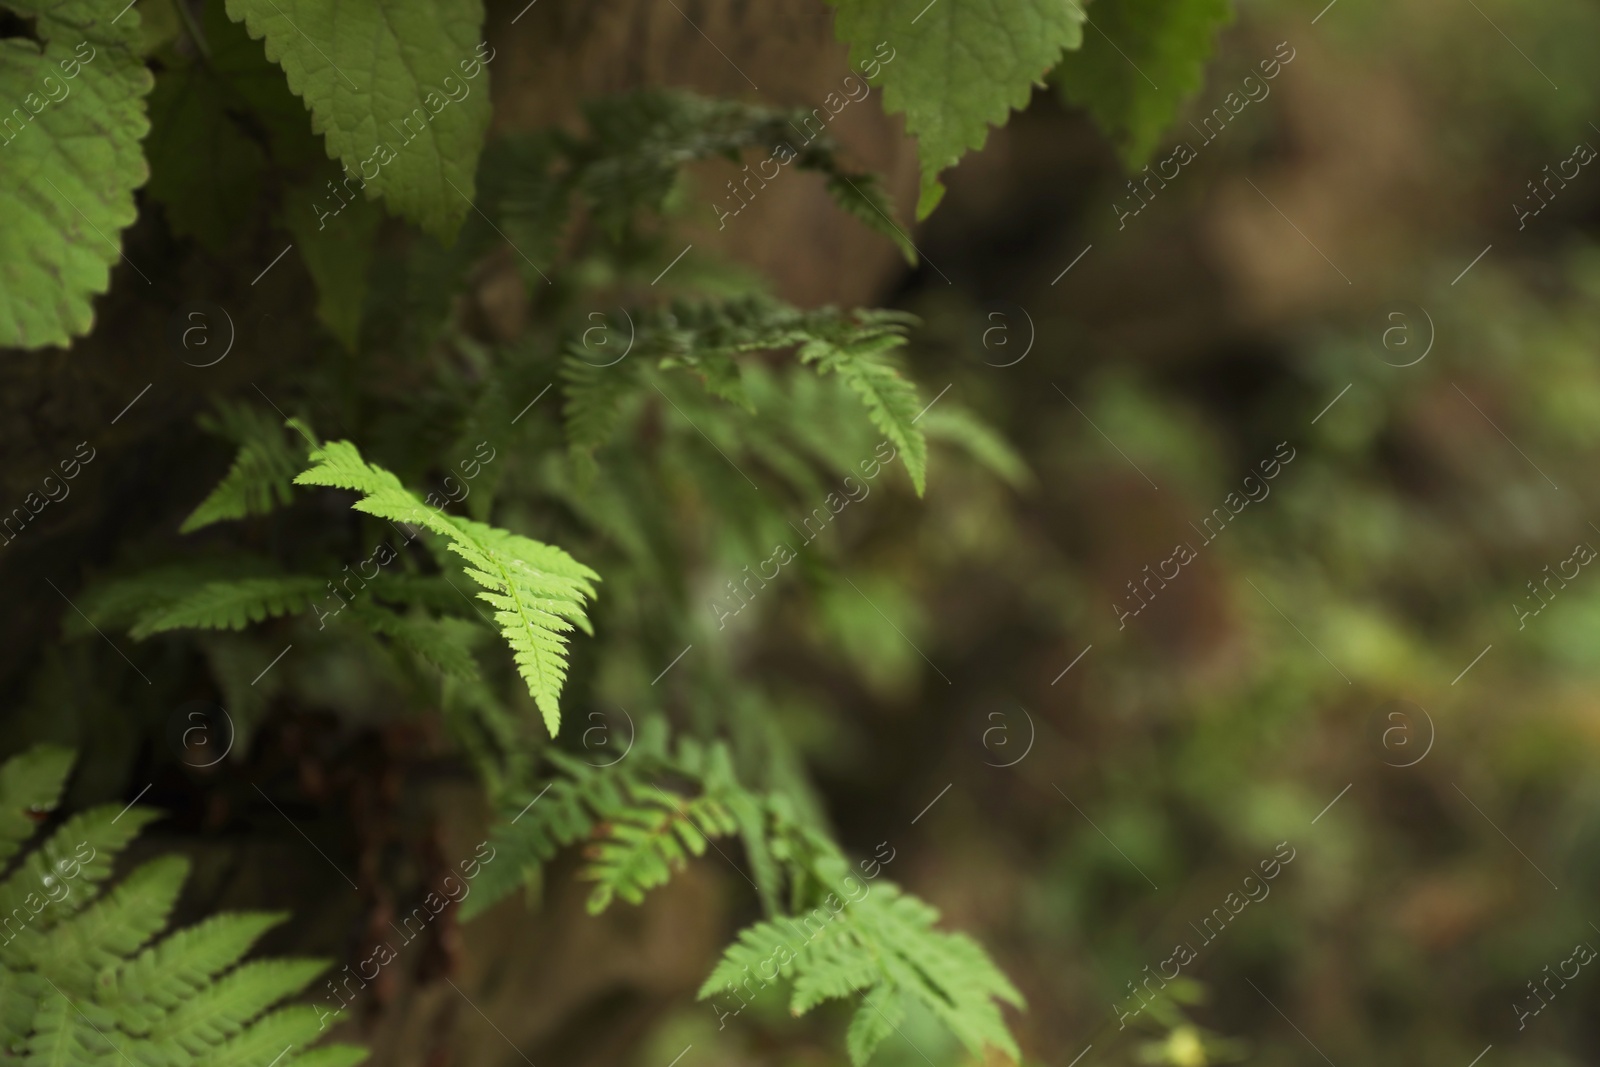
<point x="703" y="339"/>
<point x="883" y="946"/>
<point x="645" y="843"/>
<point x="262" y="472"/>
<point x="538" y="592"/>
<point x="641" y="832"/>
<point x="637" y="145"/>
<point x="85" y="978"/>
<point x="231" y="604"/>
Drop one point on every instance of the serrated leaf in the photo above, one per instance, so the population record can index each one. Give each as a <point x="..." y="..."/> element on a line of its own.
<point x="203" y="169"/>
<point x="69" y="163"/>
<point x="1140" y="62"/>
<point x="398" y="89"/>
<point x="955" y="67"/>
<point x="215" y="124"/>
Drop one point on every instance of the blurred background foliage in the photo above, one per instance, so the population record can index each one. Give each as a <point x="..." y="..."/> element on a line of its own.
<point x="924" y="644"/>
<point x="1319" y="642"/>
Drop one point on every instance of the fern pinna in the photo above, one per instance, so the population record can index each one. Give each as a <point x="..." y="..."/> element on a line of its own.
<point x="836" y="933"/>
<point x="537" y="591"/>
<point x="702" y="339"/>
<point x="87" y="980"/>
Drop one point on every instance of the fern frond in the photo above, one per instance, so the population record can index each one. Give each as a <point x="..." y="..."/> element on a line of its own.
<point x="645" y="843"/>
<point x="114" y="925"/>
<point x="884" y="946"/>
<point x="545" y="822"/>
<point x="263" y="470"/>
<point x="703" y="339"/>
<point x="641" y="832"/>
<point x="876" y="1018"/>
<point x="443" y="644"/>
<point x="328" y="1056"/>
<point x="491" y="735"/>
<point x="71" y="862"/>
<point x="519" y="184"/>
<point x="85" y="981"/>
<point x="594" y="397"/>
<point x="61" y="1036"/>
<point x="268" y="1037"/>
<point x="891" y="398"/>
<point x="167" y="974"/>
<point x="631" y="159"/>
<point x="639" y="142"/>
<point x="119" y="603"/>
<point x="232" y="605"/>
<point x="430" y="591"/>
<point x="979" y="440"/>
<point x="537" y="590"/>
<point x="229" y="1004"/>
<point x="863" y="196"/>
<point x="28" y="788"/>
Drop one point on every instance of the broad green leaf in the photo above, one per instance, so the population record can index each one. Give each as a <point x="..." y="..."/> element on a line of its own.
<point x="399" y="89"/>
<point x="955" y="67"/>
<point x="203" y="169"/>
<point x="1141" y="60"/>
<point x="207" y="148"/>
<point x="69" y="163"/>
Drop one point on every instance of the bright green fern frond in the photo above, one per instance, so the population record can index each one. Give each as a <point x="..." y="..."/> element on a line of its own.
<point x="537" y="590"/>
<point x="338" y="465"/>
<point x="263" y="471"/>
<point x="86" y="980"/>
